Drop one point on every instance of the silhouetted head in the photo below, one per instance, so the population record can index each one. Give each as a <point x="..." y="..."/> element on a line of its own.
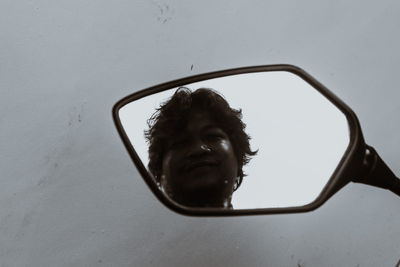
<point x="197" y="148"/>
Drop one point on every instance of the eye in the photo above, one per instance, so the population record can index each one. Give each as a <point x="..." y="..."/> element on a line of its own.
<point x="176" y="144"/>
<point x="215" y="135"/>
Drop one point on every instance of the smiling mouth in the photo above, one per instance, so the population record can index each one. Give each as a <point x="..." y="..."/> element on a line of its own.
<point x="201" y="165"/>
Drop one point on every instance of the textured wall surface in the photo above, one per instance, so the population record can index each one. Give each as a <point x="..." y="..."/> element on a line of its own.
<point x="69" y="193"/>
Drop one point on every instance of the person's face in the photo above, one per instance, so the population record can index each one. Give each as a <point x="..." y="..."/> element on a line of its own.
<point x="200" y="167"/>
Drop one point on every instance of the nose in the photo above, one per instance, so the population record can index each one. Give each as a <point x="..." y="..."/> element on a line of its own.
<point x="205" y="148"/>
<point x="198" y="148"/>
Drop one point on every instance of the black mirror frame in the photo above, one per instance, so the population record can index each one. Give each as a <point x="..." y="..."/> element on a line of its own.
<point x="350" y="166"/>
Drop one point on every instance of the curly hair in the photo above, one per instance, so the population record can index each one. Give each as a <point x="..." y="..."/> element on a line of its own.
<point x="172" y="116"/>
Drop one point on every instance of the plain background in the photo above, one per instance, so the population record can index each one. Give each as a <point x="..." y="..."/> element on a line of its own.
<point x="299" y="135"/>
<point x="69" y="193"/>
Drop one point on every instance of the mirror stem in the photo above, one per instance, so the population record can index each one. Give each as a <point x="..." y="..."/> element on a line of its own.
<point x="377" y="173"/>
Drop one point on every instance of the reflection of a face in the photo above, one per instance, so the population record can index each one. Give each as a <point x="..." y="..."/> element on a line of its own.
<point x="199" y="168"/>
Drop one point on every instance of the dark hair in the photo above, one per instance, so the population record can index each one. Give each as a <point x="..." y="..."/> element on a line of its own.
<point x="172" y="116"/>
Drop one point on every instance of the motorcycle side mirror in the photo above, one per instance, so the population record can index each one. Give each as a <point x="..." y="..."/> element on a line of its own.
<point x="254" y="140"/>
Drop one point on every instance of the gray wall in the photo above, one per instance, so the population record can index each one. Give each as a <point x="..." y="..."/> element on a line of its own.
<point x="69" y="193"/>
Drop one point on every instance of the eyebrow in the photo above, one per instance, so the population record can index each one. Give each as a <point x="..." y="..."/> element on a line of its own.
<point x="210" y="127"/>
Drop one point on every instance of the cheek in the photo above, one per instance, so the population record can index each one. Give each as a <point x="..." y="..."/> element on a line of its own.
<point x="226" y="147"/>
<point x="166" y="164"/>
<point x="170" y="162"/>
<point x="166" y="173"/>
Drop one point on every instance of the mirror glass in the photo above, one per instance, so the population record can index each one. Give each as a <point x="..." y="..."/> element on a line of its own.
<point x="255" y="140"/>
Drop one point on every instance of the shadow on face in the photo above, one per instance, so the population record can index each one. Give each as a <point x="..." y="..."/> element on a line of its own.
<point x="199" y="167"/>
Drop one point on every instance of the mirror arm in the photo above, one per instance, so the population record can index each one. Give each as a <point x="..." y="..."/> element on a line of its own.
<point x="376" y="173"/>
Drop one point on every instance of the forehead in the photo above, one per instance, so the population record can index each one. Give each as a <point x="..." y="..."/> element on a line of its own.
<point x="199" y="121"/>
